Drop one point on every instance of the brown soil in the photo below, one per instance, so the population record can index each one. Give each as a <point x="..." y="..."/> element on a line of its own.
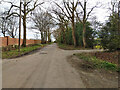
<point x="92" y="77"/>
<point x="107" y="56"/>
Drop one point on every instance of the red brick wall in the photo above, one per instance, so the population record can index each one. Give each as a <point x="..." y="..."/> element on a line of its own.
<point x="14" y="41"/>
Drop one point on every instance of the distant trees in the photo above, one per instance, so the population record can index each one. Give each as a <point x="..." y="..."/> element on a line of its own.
<point x="43" y="22"/>
<point x="62" y="22"/>
<point x="78" y="35"/>
<point x="56" y="34"/>
<point x="74" y="12"/>
<point x="68" y="10"/>
<point x="3" y="25"/>
<point x="12" y="26"/>
<point x="9" y="26"/>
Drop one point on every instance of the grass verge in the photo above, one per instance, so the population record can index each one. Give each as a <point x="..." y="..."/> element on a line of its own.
<point x="23" y="51"/>
<point x="97" y="63"/>
<point x="70" y="47"/>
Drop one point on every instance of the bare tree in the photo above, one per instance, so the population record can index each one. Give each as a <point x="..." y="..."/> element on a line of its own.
<point x="68" y="10"/>
<point x="39" y="23"/>
<point x="27" y="8"/>
<point x="50" y="25"/>
<point x="43" y="22"/>
<point x="9" y="26"/>
<point x="61" y="22"/>
<point x="114" y="4"/>
<point x="3" y="26"/>
<point x="12" y="27"/>
<point x="83" y="16"/>
<point x="56" y="33"/>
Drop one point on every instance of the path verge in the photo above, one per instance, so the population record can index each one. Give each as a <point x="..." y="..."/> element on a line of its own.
<point x="23" y="51"/>
<point x="94" y="74"/>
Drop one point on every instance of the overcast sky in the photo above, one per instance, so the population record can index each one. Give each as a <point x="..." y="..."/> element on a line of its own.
<point x="101" y="13"/>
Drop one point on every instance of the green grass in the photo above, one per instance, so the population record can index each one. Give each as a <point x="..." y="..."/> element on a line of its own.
<point x="97" y="63"/>
<point x="70" y="47"/>
<point x="23" y="50"/>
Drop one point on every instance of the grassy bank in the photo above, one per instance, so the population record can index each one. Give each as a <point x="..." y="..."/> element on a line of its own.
<point x="93" y="62"/>
<point x="111" y="57"/>
<point x="23" y="50"/>
<point x="70" y="47"/>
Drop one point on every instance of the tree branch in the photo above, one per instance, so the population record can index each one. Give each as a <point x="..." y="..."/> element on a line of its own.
<point x="14" y="13"/>
<point x="62" y="10"/>
<point x="34" y="7"/>
<point x="81" y="5"/>
<point x="67" y="9"/>
<point x="78" y="17"/>
<point x="90" y="13"/>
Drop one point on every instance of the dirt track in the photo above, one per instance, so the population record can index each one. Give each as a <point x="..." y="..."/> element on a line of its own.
<point x="47" y="68"/>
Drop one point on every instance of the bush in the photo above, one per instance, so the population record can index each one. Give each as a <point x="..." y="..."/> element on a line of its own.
<point x="109" y="34"/>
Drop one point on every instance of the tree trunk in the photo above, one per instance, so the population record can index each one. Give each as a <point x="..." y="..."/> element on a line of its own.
<point x="24" y="32"/>
<point x="49" y="40"/>
<point x="63" y="31"/>
<point x="4" y="34"/>
<point x="13" y="35"/>
<point x="84" y="25"/>
<point x="84" y="37"/>
<point x="42" y="38"/>
<point x="73" y="25"/>
<point x="24" y="26"/>
<point x="73" y="33"/>
<point x="45" y="36"/>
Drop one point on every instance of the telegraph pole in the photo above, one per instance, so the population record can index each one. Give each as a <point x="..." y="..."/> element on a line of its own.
<point x="20" y="27"/>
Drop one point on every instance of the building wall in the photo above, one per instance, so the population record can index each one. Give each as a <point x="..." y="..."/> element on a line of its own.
<point x="6" y="41"/>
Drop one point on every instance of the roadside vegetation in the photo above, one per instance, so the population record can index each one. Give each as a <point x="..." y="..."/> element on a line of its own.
<point x="66" y="39"/>
<point x="95" y="72"/>
<point x="70" y="47"/>
<point x="105" y="37"/>
<point x="24" y="50"/>
<point x="85" y="33"/>
<point x="95" y="35"/>
<point x="96" y="63"/>
<point x="109" y="34"/>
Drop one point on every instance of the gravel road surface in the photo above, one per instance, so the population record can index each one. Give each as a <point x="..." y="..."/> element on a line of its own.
<point x="46" y="68"/>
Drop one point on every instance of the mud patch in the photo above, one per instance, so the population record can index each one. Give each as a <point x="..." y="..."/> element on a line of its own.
<point x="92" y="77"/>
<point x="80" y="64"/>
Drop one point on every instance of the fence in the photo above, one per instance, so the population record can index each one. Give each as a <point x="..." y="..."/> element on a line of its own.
<point x="6" y="41"/>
